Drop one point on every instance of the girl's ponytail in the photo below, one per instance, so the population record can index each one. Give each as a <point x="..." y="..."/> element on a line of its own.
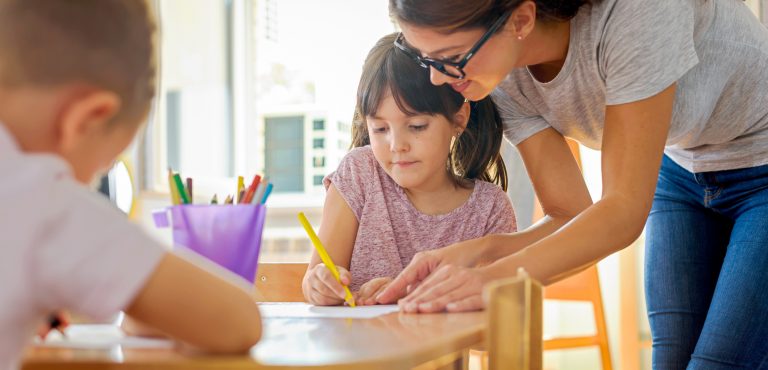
<point x="476" y="154"/>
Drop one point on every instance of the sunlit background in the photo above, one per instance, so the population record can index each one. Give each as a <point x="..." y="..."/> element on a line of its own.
<point x="268" y="86"/>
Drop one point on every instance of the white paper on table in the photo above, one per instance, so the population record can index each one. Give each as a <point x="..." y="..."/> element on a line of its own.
<point x="304" y="310"/>
<point x="99" y="336"/>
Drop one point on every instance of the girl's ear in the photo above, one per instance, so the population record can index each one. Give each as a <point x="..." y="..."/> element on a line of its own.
<point x="84" y="116"/>
<point x="461" y="118"/>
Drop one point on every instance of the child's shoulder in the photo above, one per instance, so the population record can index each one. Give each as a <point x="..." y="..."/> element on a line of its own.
<point x="493" y="201"/>
<point x="362" y="153"/>
<point x="359" y="160"/>
<point x="487" y="190"/>
<point x="356" y="168"/>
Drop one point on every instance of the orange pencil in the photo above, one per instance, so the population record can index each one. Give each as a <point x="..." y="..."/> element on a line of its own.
<point x="251" y="190"/>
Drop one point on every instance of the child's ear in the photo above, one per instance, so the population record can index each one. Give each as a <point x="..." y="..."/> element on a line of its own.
<point x="461" y="118"/>
<point x="86" y="115"/>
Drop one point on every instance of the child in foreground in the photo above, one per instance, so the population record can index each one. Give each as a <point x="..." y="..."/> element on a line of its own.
<point x="76" y="82"/>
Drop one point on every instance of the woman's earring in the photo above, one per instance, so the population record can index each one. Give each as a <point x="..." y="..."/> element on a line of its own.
<point x="519" y="37"/>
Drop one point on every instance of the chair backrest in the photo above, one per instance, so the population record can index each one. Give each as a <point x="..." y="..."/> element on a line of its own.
<point x="584" y="286"/>
<point x="280" y="282"/>
<point x="515" y="323"/>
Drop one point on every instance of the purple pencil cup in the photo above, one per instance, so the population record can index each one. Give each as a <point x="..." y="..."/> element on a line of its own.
<point x="229" y="235"/>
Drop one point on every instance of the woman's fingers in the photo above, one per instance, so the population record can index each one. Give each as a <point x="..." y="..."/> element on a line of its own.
<point x="450" y="284"/>
<point x="471" y="303"/>
<point x="422" y="264"/>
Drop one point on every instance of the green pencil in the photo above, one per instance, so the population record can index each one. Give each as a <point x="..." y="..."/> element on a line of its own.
<point x="180" y="186"/>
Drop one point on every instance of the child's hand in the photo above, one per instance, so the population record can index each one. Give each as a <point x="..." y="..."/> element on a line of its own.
<point x="366" y="296"/>
<point x="322" y="289"/>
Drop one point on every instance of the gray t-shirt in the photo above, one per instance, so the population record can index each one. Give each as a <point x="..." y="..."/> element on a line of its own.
<point x="622" y="51"/>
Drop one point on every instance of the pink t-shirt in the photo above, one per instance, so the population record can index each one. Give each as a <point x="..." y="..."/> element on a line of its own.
<point x="391" y="230"/>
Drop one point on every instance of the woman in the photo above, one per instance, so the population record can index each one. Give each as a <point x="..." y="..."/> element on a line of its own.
<point x="674" y="95"/>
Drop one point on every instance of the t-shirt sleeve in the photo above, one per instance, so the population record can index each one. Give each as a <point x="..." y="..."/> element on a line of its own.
<point x="502" y="218"/>
<point x="352" y="177"/>
<point x="646" y="46"/>
<point x="91" y="259"/>
<point x="520" y="120"/>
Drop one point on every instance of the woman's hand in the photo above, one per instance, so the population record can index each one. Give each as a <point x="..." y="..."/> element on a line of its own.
<point x="465" y="254"/>
<point x="450" y="288"/>
<point x="366" y="296"/>
<point x="322" y="289"/>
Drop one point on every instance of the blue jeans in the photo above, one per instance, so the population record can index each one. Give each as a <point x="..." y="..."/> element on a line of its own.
<point x="706" y="269"/>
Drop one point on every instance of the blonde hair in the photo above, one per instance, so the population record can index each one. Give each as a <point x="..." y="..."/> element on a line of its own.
<point x="104" y="43"/>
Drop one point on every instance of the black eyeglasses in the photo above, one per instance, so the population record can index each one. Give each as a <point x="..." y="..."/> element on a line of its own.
<point x="452" y="69"/>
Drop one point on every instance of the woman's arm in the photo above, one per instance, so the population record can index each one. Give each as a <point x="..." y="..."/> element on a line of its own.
<point x="633" y="144"/>
<point x="561" y="190"/>
<point x="338" y="230"/>
<point x="559" y="186"/>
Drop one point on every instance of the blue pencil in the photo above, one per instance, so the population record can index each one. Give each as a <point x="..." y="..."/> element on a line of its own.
<point x="267" y="191"/>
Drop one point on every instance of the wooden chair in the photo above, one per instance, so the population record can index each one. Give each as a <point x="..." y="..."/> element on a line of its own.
<point x="514" y="337"/>
<point x="280" y="282"/>
<point x="584" y="286"/>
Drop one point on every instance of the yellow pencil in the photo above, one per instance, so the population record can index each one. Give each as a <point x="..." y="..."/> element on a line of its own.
<point x="240" y="187"/>
<point x="175" y="198"/>
<point x="325" y="257"/>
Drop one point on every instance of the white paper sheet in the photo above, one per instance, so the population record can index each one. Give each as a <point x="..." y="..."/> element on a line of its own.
<point x="303" y="310"/>
<point x="99" y="336"/>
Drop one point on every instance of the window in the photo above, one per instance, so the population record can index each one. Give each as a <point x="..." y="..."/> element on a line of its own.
<point x="284" y="154"/>
<point x="319" y="162"/>
<point x="318" y="125"/>
<point x="239" y="96"/>
<point x="318" y="180"/>
<point x="318" y="143"/>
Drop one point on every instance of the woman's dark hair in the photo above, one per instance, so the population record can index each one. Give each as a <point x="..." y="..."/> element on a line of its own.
<point x="475" y="154"/>
<point x="452" y="15"/>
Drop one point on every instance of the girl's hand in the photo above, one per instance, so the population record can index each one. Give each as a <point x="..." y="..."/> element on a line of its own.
<point x="450" y="288"/>
<point x="366" y="296"/>
<point x="322" y="289"/>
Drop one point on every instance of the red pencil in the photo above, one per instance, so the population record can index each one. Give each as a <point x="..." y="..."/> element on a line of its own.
<point x="251" y="190"/>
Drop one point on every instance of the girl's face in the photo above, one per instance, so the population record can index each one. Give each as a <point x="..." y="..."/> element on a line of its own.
<point x="413" y="150"/>
<point x="486" y="69"/>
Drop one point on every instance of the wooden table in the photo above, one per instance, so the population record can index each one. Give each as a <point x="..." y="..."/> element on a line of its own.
<point x="393" y="341"/>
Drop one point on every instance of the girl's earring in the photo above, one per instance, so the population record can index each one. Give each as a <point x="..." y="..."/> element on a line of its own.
<point x="519" y="37"/>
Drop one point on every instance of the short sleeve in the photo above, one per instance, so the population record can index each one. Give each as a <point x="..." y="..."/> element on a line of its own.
<point x="646" y="46"/>
<point x="502" y="218"/>
<point x="519" y="122"/>
<point x="353" y="176"/>
<point x="91" y="259"/>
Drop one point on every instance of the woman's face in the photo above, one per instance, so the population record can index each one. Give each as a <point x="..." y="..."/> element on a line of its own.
<point x="486" y="69"/>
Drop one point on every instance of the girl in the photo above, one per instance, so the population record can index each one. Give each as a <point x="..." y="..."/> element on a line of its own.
<point x="425" y="172"/>
<point x="673" y="93"/>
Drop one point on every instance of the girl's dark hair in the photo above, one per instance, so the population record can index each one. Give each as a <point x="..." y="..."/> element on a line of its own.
<point x="451" y="15"/>
<point x="475" y="154"/>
